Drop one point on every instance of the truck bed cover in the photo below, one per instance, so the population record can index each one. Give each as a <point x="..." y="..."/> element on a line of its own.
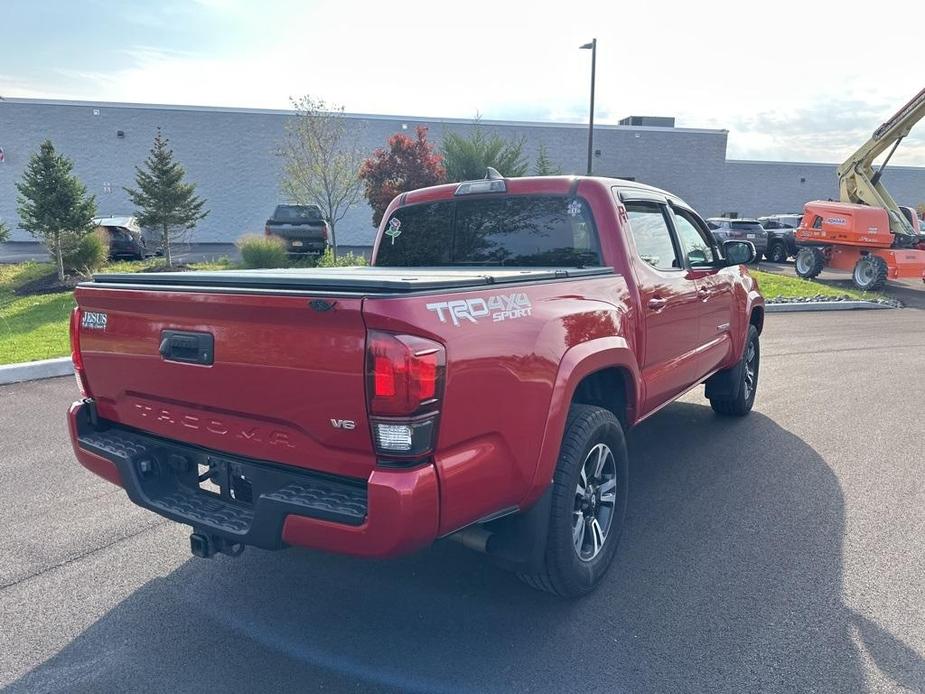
<point x="358" y="280"/>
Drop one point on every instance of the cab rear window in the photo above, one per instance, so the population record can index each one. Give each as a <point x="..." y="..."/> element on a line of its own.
<point x="522" y="230"/>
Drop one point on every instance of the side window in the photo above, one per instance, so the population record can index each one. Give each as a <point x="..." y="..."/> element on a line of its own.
<point x="713" y="225"/>
<point x="696" y="247"/>
<point x="817" y="222"/>
<point x="652" y="236"/>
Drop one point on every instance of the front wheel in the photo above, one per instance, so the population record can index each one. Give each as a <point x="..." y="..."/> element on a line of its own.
<point x="588" y="504"/>
<point x="734" y="396"/>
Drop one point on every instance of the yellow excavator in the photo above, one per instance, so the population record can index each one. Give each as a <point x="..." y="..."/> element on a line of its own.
<point x="866" y="232"/>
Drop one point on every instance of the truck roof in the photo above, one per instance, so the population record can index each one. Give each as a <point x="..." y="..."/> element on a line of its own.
<point x="525" y="185"/>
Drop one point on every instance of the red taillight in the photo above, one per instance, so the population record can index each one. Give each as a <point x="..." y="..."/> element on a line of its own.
<point x="266" y="231"/>
<point x="405" y="376"/>
<point x="76" y="356"/>
<point x="325" y="231"/>
<point x="405" y="373"/>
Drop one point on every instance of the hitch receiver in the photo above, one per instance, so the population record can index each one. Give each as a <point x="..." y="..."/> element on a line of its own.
<point x="206" y="546"/>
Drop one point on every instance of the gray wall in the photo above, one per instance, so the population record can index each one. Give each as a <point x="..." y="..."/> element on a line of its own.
<point x="229" y="153"/>
<point x="755" y="188"/>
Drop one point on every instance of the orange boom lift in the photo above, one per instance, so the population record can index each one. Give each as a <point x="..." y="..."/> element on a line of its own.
<point x="866" y="232"/>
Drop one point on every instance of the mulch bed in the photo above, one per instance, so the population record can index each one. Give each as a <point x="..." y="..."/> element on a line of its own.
<point x="49" y="284"/>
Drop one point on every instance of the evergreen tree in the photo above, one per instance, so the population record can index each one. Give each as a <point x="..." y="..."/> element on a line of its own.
<point x="544" y="165"/>
<point x="163" y="200"/>
<point x="468" y="158"/>
<point x="53" y="204"/>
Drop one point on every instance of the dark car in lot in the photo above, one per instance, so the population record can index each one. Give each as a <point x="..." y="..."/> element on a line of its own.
<point x="728" y="229"/>
<point x="302" y="228"/>
<point x="782" y="243"/>
<point x="124" y="236"/>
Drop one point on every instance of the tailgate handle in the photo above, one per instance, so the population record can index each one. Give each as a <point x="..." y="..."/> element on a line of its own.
<point x="187" y="347"/>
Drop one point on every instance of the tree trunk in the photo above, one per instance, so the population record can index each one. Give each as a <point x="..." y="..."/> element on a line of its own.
<point x="59" y="257"/>
<point x="167" y="256"/>
<point x="333" y="241"/>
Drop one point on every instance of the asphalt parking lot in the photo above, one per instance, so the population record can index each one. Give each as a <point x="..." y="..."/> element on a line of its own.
<point x="782" y="552"/>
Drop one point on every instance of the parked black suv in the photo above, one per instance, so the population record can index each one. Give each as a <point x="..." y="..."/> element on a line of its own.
<point x="781" y="240"/>
<point x="125" y="237"/>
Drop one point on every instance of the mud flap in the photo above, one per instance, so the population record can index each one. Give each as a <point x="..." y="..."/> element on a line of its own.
<point x="724" y="385"/>
<point x="518" y="542"/>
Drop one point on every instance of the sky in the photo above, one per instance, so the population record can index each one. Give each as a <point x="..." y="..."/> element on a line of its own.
<point x="796" y="81"/>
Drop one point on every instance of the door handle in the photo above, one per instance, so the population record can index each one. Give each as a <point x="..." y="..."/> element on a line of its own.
<point x="657" y="303"/>
<point x="704" y="293"/>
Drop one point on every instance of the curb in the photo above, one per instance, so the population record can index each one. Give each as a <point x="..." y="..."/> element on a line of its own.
<point x="35" y="370"/>
<point x="823" y="306"/>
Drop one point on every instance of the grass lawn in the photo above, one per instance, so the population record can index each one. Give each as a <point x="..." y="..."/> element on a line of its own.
<point x="36" y="327"/>
<point x="773" y="285"/>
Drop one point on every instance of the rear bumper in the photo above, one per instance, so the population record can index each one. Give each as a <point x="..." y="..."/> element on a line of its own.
<point x="302" y="244"/>
<point x="262" y="504"/>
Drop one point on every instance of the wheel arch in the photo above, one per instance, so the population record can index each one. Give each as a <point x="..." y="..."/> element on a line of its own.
<point x="586" y="371"/>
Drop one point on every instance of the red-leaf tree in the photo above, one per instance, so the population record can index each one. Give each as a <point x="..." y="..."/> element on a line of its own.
<point x="405" y="164"/>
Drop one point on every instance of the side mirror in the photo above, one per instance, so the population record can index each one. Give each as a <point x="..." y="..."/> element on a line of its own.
<point x="739" y="252"/>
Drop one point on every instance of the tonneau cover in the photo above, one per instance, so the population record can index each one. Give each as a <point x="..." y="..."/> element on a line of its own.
<point x="360" y="280"/>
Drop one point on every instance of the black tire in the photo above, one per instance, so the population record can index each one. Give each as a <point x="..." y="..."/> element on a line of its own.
<point x="809" y="262"/>
<point x="565" y="572"/>
<point x="739" y="396"/>
<point x="869" y="273"/>
<point x="777" y="252"/>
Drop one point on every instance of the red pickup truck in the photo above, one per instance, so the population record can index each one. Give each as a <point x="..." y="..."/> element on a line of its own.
<point x="475" y="382"/>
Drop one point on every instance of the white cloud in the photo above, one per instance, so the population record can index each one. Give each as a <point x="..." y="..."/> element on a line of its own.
<point x="789" y="80"/>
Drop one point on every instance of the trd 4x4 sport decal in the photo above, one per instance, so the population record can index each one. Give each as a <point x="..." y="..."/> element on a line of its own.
<point x="500" y="307"/>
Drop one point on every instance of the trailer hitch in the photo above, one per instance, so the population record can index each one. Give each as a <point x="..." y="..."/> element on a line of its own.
<point x="206" y="546"/>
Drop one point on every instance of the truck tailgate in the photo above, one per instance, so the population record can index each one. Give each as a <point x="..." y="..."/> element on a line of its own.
<point x="285" y="382"/>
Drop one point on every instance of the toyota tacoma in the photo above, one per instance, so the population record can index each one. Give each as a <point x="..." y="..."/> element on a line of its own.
<point x="476" y="382"/>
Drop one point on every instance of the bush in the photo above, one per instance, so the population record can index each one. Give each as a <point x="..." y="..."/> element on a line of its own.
<point x="262" y="251"/>
<point x="348" y="260"/>
<point x="84" y="254"/>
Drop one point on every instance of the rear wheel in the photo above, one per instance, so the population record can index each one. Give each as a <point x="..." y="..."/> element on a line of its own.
<point x="809" y="263"/>
<point x="588" y="504"/>
<point x="869" y="273"/>
<point x="777" y="252"/>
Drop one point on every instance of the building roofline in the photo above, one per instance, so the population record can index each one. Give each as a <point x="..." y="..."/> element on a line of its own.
<point x="763" y="162"/>
<point x="365" y="116"/>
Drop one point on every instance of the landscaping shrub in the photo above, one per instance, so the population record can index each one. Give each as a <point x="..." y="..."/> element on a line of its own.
<point x="84" y="254"/>
<point x="262" y="251"/>
<point x="346" y="260"/>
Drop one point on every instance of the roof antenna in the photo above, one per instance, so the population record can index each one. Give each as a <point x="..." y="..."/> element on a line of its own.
<point x="492" y="173"/>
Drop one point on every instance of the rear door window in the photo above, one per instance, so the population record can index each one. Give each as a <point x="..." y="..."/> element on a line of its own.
<point x="517" y="230"/>
<point x="652" y="235"/>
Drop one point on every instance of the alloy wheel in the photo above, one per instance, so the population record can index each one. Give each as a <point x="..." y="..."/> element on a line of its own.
<point x="595" y="500"/>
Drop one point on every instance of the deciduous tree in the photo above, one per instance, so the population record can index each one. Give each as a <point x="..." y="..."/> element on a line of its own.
<point x="404" y="164"/>
<point x="321" y="160"/>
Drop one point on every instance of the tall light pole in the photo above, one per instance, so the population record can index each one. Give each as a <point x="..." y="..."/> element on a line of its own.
<point x="593" y="47"/>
